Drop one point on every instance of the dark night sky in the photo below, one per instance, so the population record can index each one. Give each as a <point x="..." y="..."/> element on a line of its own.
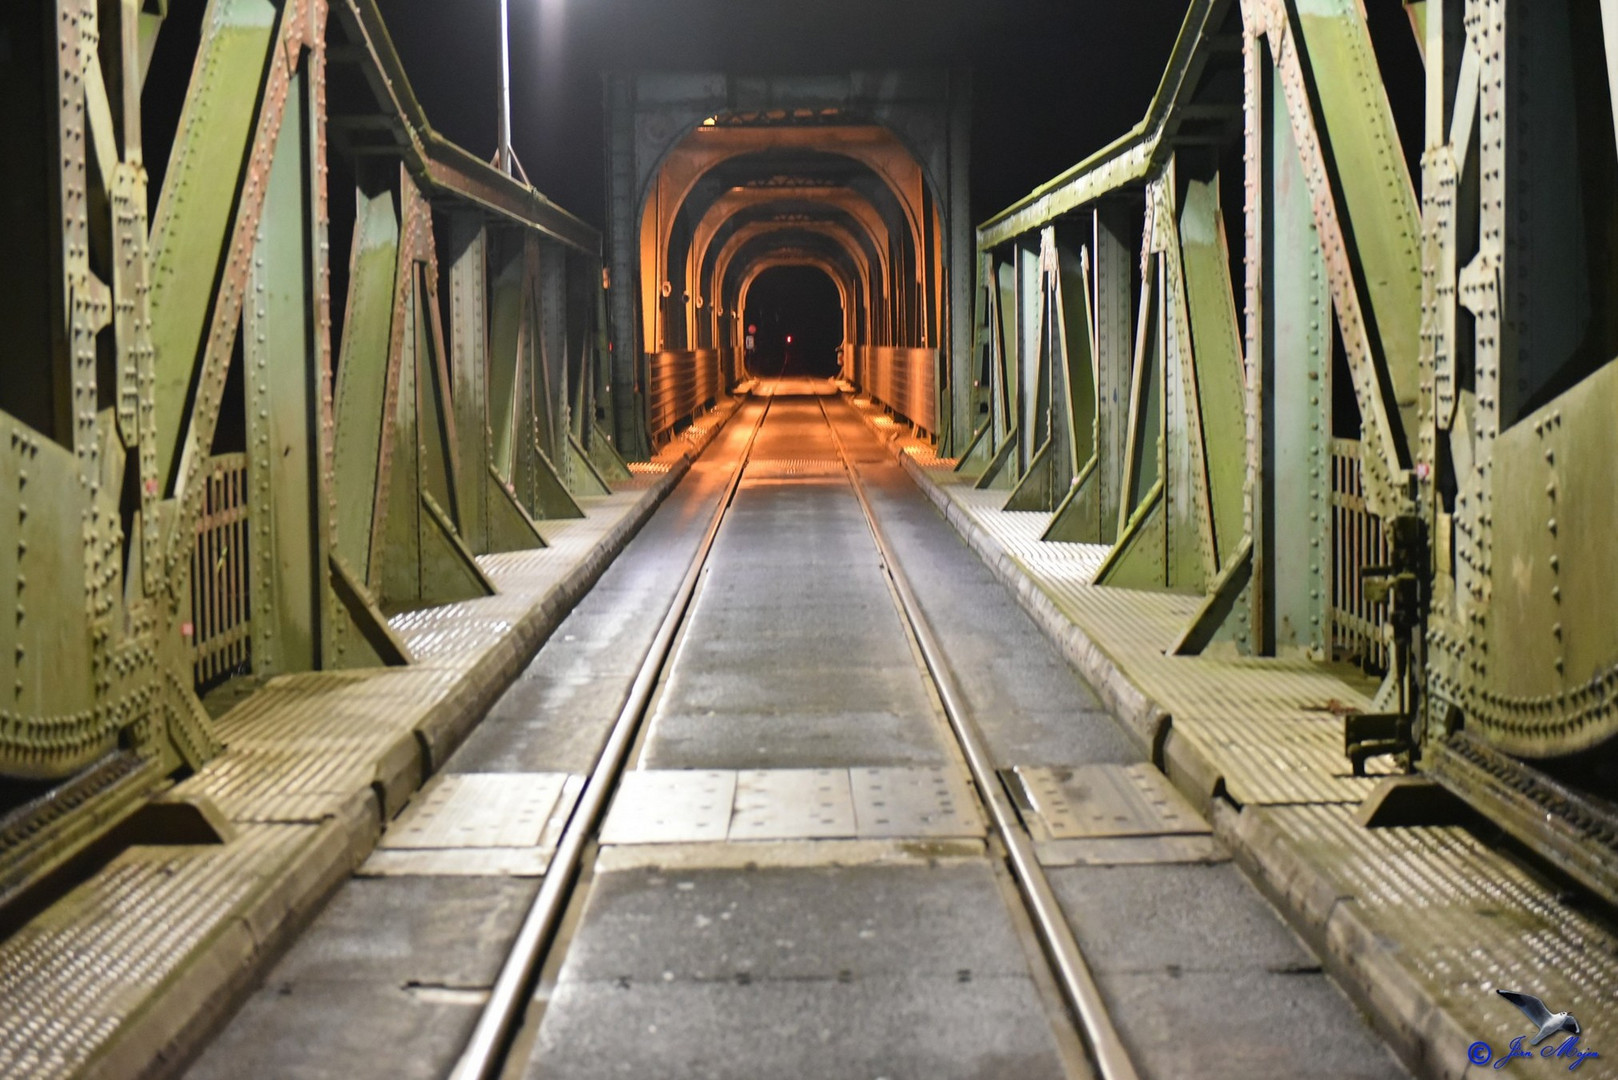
<point x="1053" y="79"/>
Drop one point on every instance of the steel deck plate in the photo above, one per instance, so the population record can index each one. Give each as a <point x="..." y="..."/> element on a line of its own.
<point x="792" y="804"/>
<point x="675" y="806"/>
<point x="670" y="806"/>
<point x="478" y="825"/>
<point x="478" y="810"/>
<point x="1107" y="800"/>
<point x="1130" y="850"/>
<point x="927" y="801"/>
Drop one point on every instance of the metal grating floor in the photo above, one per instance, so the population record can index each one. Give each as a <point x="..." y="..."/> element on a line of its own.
<point x="71" y="976"/>
<point x="301" y="750"/>
<point x="1468" y="920"/>
<point x="301" y="746"/>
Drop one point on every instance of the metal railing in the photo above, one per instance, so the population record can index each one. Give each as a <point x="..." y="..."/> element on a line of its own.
<point x="905" y="380"/>
<point x="1357" y="625"/>
<point x="681" y="383"/>
<point x="221" y="615"/>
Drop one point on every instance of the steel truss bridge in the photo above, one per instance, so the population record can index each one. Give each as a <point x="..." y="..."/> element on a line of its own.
<point x="274" y="384"/>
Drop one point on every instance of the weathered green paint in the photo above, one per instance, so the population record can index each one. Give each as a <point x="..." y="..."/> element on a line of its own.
<point x="469" y="362"/>
<point x="1080" y="516"/>
<point x="1185" y="482"/>
<point x="362" y="375"/>
<point x="1065" y="383"/>
<point x="1378" y="199"/>
<point x="551" y="352"/>
<point x="1220" y="389"/>
<point x="287" y="551"/>
<point x="1005" y="275"/>
<point x="424" y="561"/>
<point x="1140" y="558"/>
<point x="396" y="556"/>
<point x="369" y="640"/>
<point x="1552" y="635"/>
<point x="583" y="478"/>
<point x="604" y="457"/>
<point x="1036" y="490"/>
<point x="45" y="649"/>
<point x="1292" y="533"/>
<point x="435" y="443"/>
<point x="195" y="211"/>
<point x="548" y="496"/>
<point x="1089" y="514"/>
<point x="135" y="333"/>
<point x="506" y="310"/>
<point x="449" y="571"/>
<point x="998" y="473"/>
<point x="1042" y="417"/>
<point x="1142" y="450"/>
<point x="1225" y="594"/>
<point x="511" y="528"/>
<point x="1032" y="411"/>
<point x="1076" y="331"/>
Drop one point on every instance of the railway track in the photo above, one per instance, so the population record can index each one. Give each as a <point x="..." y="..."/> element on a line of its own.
<point x="489" y="1051"/>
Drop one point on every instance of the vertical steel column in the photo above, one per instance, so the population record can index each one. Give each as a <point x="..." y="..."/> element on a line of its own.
<point x="552" y="338"/>
<point x="469" y="359"/>
<point x="1115" y="270"/>
<point x="1029" y="305"/>
<point x="281" y="379"/>
<point x="1292" y="526"/>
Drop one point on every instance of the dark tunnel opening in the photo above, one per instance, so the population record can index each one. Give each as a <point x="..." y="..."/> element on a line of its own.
<point x="798" y="314"/>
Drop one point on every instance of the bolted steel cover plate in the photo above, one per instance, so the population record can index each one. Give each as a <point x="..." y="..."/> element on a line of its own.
<point x="478" y="825"/>
<point x="686" y="806"/>
<point x="478" y="810"/>
<point x="1090" y="801"/>
<point x="929" y="801"/>
<point x="786" y="804"/>
<point x="670" y="806"/>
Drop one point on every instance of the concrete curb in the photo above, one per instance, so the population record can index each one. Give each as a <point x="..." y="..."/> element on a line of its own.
<point x="1430" y="1041"/>
<point x="172" y="1025"/>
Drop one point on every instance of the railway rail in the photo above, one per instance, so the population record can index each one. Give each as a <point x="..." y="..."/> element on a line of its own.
<point x="485" y="1056"/>
<point x="796" y="789"/>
